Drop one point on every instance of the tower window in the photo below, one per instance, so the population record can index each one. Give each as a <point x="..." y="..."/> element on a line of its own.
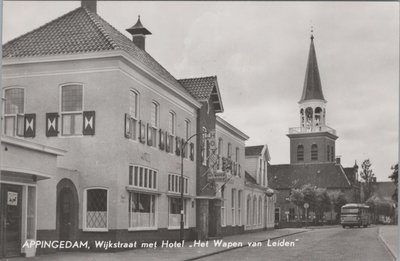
<point x="318" y="111"/>
<point x="300" y="152"/>
<point x="328" y="153"/>
<point x="314" y="152"/>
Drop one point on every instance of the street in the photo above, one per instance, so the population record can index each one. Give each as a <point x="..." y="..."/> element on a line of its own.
<point x="317" y="244"/>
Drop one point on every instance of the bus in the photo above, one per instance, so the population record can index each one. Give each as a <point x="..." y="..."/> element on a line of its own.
<point x="355" y="215"/>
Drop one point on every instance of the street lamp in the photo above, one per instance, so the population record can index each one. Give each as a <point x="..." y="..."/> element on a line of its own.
<point x="182" y="185"/>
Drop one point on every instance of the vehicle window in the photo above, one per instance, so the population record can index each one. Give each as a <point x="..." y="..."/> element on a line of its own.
<point x="350" y="211"/>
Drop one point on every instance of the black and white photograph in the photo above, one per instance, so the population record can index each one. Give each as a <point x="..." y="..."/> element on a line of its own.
<point x="199" y="130"/>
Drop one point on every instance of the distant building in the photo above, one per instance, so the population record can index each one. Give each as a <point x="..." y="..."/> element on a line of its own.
<point x="312" y="152"/>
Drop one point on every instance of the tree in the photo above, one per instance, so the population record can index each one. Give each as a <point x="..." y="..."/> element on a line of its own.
<point x="338" y="200"/>
<point x="395" y="178"/>
<point x="368" y="177"/>
<point x="322" y="202"/>
<point x="297" y="198"/>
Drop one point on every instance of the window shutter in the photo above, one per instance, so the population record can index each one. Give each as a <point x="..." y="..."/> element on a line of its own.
<point x="178" y="146"/>
<point x="167" y="142"/>
<point x="88" y="122"/>
<point x="149" y="135"/>
<point x="183" y="149"/>
<point x="127" y="125"/>
<point x="162" y="140"/>
<point x="142" y="134"/>
<point x="29" y="125"/>
<point x="52" y="124"/>
<point x="192" y="151"/>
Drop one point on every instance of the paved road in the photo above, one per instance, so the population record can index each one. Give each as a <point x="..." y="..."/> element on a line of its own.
<point x="319" y="244"/>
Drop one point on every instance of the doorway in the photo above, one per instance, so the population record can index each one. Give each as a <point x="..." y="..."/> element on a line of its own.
<point x="10" y="220"/>
<point x="67" y="210"/>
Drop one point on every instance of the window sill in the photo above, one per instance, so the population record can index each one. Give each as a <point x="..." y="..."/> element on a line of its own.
<point x="95" y="230"/>
<point x="142" y="229"/>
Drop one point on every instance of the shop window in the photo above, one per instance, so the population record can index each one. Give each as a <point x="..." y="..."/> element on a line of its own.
<point x="233" y="206"/>
<point x="174" y="212"/>
<point x="259" y="210"/>
<point x="254" y="210"/>
<point x="223" y="209"/>
<point x="14" y="112"/>
<point x="239" y="208"/>
<point x="248" y="210"/>
<point x="142" y="210"/>
<point x="96" y="209"/>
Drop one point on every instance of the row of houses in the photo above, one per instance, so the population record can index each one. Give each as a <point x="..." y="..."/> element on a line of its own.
<point x="96" y="135"/>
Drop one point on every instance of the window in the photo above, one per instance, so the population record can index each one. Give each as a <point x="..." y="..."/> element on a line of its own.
<point x="155" y="113"/>
<point x="142" y="177"/>
<point x="260" y="210"/>
<point x="332" y="153"/>
<point x="14" y="112"/>
<point x="223" y="213"/>
<point x="187" y="136"/>
<point x="229" y="150"/>
<point x="31" y="214"/>
<point x="174" y="212"/>
<point x="328" y="153"/>
<point x="142" y="210"/>
<point x="171" y="123"/>
<point x="174" y="184"/>
<point x="314" y="152"/>
<point x="133" y="115"/>
<point x="71" y="109"/>
<point x="277" y="214"/>
<point x="233" y="204"/>
<point x="239" y="208"/>
<point x="254" y="210"/>
<point x="220" y="149"/>
<point x="96" y="209"/>
<point x="300" y="152"/>
<point x="248" y="210"/>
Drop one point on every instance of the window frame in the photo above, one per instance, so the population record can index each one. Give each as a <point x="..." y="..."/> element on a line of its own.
<point x="300" y="152"/>
<point x="188" y="134"/>
<point x="84" y="212"/>
<point x="134" y="118"/>
<point x="62" y="113"/>
<point x="314" y="152"/>
<point x="233" y="206"/>
<point x="154" y="127"/>
<point x="185" y="209"/>
<point x="16" y="125"/>
<point x="145" y="171"/>
<point x="155" y="204"/>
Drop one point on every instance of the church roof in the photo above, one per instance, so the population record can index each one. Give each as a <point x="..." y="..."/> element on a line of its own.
<point x="81" y="31"/>
<point x="312" y="89"/>
<point x="204" y="88"/>
<point x="322" y="175"/>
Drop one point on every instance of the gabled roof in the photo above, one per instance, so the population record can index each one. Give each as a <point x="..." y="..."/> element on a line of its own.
<point x="204" y="89"/>
<point x="384" y="190"/>
<point x="312" y="83"/>
<point x="323" y="175"/>
<point x="253" y="150"/>
<point x="81" y="31"/>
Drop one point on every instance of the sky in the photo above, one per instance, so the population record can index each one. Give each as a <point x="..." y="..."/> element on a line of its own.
<point x="258" y="51"/>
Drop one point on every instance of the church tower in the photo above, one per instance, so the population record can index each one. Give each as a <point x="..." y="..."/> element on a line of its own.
<point x="313" y="141"/>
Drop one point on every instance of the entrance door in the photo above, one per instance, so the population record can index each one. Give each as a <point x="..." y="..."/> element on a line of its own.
<point x="66" y="205"/>
<point x="10" y="220"/>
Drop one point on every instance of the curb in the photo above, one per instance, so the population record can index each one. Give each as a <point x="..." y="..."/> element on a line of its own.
<point x="385" y="244"/>
<point x="244" y="245"/>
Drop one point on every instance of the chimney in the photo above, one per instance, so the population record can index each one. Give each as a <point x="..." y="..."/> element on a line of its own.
<point x="338" y="160"/>
<point x="138" y="33"/>
<point x="91" y="5"/>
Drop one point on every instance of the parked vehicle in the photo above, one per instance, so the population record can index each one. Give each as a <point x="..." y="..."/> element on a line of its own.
<point x="355" y="215"/>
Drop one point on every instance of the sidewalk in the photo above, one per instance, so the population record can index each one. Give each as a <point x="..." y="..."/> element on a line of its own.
<point x="188" y="252"/>
<point x="388" y="234"/>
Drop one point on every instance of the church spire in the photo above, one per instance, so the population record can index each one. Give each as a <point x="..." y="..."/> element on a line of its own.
<point x="312" y="89"/>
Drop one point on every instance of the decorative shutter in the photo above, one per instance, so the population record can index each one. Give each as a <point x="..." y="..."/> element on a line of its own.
<point x="167" y="142"/>
<point x="29" y="125"/>
<point x="178" y="146"/>
<point x="142" y="132"/>
<point x="149" y="135"/>
<point x="52" y="124"/>
<point x="162" y="140"/>
<point x="127" y="125"/>
<point x="88" y="122"/>
<point x="183" y="149"/>
<point x="192" y="151"/>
